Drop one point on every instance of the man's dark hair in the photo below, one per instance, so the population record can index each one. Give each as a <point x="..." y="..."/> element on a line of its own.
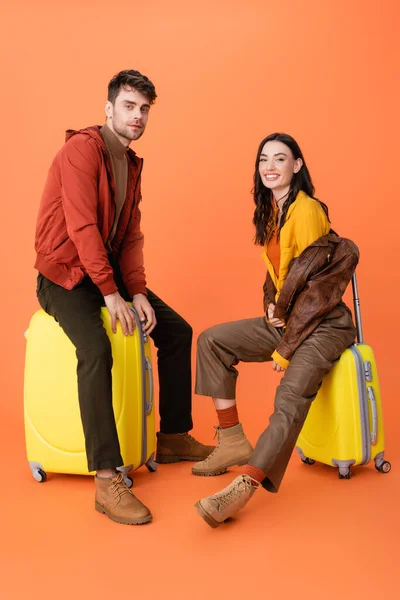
<point x="131" y="79"/>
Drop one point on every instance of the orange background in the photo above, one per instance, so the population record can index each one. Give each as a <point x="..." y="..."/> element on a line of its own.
<point x="227" y="74"/>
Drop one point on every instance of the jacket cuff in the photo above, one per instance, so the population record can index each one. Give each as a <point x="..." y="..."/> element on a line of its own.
<point x="282" y="362"/>
<point x="136" y="288"/>
<point x="108" y="287"/>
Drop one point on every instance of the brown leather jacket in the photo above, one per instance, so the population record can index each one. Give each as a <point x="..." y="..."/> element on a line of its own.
<point x="314" y="286"/>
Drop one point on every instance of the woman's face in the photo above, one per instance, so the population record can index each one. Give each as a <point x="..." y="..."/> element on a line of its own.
<point x="277" y="166"/>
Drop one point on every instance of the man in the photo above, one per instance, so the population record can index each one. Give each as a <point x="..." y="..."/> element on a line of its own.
<point x="89" y="253"/>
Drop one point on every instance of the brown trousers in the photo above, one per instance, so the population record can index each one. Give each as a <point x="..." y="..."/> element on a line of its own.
<point x="221" y="347"/>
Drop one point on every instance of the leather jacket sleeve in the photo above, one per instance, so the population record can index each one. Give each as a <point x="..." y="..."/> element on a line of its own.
<point x="313" y="297"/>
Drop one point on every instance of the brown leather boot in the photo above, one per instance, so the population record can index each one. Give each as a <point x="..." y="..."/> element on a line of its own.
<point x="233" y="448"/>
<point x="116" y="501"/>
<point x="173" y="447"/>
<point x="224" y="504"/>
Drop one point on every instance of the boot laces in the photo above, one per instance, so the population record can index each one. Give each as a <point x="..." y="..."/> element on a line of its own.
<point x="217" y="430"/>
<point x="235" y="492"/>
<point x="192" y="439"/>
<point x="118" y="486"/>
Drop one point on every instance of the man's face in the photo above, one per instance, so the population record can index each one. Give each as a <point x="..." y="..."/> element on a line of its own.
<point x="127" y="117"/>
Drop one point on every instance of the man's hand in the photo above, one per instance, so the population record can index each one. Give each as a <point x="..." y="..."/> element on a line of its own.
<point x="119" y="309"/>
<point x="277" y="367"/>
<point x="274" y="322"/>
<point x="145" y="312"/>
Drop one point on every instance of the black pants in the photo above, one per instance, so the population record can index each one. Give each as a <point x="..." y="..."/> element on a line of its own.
<point x="78" y="313"/>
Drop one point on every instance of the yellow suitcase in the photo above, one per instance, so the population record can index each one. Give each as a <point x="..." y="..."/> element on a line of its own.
<point x="345" y="424"/>
<point x="53" y="429"/>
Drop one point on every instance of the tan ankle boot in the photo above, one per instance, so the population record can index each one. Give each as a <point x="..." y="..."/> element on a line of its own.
<point x="115" y="500"/>
<point x="233" y="448"/>
<point x="224" y="504"/>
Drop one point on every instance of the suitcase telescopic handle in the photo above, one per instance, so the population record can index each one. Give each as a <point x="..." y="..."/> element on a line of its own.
<point x="149" y="371"/>
<point x="357" y="311"/>
<point x="147" y="368"/>
<point x="374" y="413"/>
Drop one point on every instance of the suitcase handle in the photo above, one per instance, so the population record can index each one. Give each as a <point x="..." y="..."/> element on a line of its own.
<point x="147" y="365"/>
<point x="149" y="370"/>
<point x="374" y="411"/>
<point x="357" y="311"/>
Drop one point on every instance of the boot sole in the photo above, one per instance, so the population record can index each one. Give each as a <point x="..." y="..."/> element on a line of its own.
<point x="140" y="521"/>
<point x="221" y="470"/>
<point x="166" y="460"/>
<point x="206" y="517"/>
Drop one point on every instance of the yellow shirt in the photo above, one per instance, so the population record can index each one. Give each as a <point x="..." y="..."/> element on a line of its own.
<point x="306" y="222"/>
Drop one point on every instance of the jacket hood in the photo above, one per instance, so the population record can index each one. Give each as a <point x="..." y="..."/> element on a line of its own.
<point x="94" y="132"/>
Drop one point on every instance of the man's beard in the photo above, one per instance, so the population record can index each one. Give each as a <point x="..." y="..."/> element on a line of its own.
<point x="127" y="133"/>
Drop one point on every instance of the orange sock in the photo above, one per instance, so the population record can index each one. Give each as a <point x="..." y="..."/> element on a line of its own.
<point x="254" y="473"/>
<point x="228" y="417"/>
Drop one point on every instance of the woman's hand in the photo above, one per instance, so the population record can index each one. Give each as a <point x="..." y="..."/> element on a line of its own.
<point x="277" y="367"/>
<point x="270" y="317"/>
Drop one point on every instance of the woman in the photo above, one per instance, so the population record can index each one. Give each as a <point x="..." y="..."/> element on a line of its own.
<point x="305" y="329"/>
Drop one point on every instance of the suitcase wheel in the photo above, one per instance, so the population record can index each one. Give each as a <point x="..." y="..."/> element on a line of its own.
<point x="151" y="466"/>
<point x="344" y="474"/>
<point x="384" y="467"/>
<point x="39" y="475"/>
<point x="128" y="481"/>
<point x="308" y="461"/>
